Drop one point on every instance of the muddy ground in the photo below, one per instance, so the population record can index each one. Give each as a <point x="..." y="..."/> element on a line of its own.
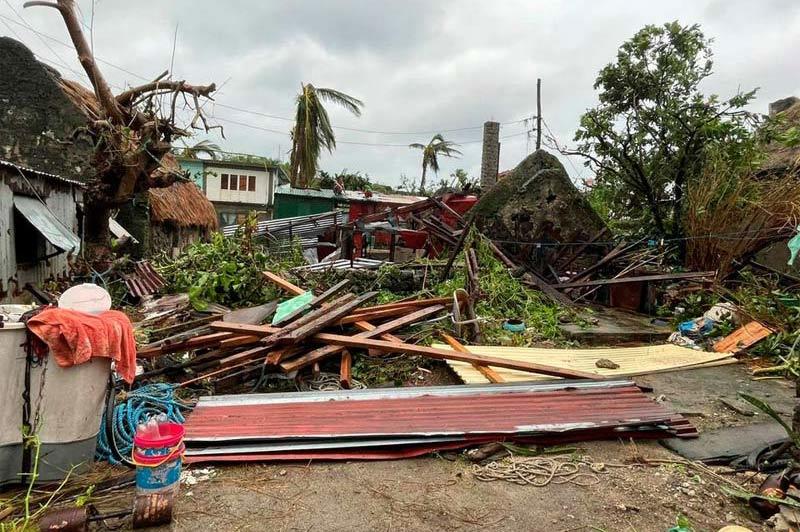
<point x="441" y="493"/>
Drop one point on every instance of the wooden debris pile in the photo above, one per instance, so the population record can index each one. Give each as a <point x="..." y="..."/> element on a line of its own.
<point x="330" y="326"/>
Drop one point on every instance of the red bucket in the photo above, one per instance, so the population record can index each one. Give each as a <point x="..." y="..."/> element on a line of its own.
<point x="170" y="436"/>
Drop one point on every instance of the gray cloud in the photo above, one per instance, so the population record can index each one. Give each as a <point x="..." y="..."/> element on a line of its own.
<point x="418" y="65"/>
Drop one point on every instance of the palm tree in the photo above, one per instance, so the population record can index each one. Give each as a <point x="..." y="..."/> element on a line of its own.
<point x="204" y="146"/>
<point x="430" y="155"/>
<point x="313" y="131"/>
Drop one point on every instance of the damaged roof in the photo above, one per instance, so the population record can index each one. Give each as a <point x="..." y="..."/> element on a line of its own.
<point x="182" y="204"/>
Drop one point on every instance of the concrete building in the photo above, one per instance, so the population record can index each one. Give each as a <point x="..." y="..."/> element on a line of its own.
<point x="236" y="188"/>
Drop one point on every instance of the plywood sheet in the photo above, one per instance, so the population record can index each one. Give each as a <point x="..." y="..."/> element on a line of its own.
<point x="632" y="360"/>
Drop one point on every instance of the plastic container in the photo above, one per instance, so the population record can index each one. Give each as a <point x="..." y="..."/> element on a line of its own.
<point x="158" y="455"/>
<point x="158" y="474"/>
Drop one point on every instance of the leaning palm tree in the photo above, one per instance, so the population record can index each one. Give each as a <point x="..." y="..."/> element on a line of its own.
<point x="430" y="155"/>
<point x="204" y="146"/>
<point x="313" y="131"/>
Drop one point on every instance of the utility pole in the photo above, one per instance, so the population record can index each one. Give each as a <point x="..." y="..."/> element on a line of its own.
<point x="538" y="113"/>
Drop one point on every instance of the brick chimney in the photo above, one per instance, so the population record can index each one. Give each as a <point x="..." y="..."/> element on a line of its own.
<point x="490" y="160"/>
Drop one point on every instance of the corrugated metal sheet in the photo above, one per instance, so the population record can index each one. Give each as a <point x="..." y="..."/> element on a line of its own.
<point x="21" y="168"/>
<point x="144" y="281"/>
<point x="299" y="226"/>
<point x="642" y="360"/>
<point x="317" y="424"/>
<point x="53" y="229"/>
<point x="343" y="264"/>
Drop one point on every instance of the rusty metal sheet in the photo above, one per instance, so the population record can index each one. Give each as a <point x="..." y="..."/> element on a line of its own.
<point x="563" y="409"/>
<point x="144" y="280"/>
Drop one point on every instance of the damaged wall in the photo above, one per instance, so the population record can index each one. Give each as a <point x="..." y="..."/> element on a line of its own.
<point x="62" y="200"/>
<point x="536" y="202"/>
<point x="38" y="122"/>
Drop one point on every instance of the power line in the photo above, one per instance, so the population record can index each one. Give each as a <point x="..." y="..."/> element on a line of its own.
<point x="268" y="115"/>
<point x="26" y="25"/>
<point x="351" y="142"/>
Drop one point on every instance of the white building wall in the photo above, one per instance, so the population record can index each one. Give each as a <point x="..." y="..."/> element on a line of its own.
<point x="264" y="189"/>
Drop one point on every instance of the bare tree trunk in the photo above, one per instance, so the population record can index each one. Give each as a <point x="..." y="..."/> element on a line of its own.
<point x="422" y="179"/>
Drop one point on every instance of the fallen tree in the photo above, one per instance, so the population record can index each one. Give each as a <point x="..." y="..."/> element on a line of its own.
<point x="132" y="132"/>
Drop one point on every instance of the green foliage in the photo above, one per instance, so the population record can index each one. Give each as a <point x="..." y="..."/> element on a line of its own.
<point x="227" y="270"/>
<point x="504" y="297"/>
<point x="650" y="133"/>
<point x="351" y="181"/>
<point x="313" y="131"/>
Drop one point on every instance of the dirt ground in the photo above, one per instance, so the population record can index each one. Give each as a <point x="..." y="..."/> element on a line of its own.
<point x="441" y="493"/>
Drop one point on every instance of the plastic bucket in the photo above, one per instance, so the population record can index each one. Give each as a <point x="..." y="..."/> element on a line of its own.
<point x="155" y="474"/>
<point x="171" y="436"/>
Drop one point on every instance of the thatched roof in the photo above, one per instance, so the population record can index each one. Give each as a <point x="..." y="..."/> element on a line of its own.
<point x="182" y="204"/>
<point x="779" y="157"/>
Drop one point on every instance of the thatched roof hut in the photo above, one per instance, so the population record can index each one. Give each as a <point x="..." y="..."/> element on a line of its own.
<point x="183" y="205"/>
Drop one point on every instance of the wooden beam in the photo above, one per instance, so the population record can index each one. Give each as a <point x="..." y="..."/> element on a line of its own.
<point x="322" y="352"/>
<point x="283" y="283"/>
<point x="577" y="252"/>
<point x="443" y="354"/>
<point x="322" y="318"/>
<point x="315" y="302"/>
<point x="207" y="340"/>
<point x="345" y="370"/>
<point x="486" y="371"/>
<point x="639" y="278"/>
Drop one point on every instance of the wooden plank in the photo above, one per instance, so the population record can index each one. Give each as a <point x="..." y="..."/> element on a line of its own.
<point x="546" y="288"/>
<point x="316" y="302"/>
<point x="486" y="371"/>
<point x="639" y="278"/>
<point x="322" y="352"/>
<point x="323" y="318"/>
<point x="238" y="341"/>
<point x="208" y="340"/>
<point x="276" y="356"/>
<point x="284" y="332"/>
<point x="742" y="338"/>
<point x="374" y="315"/>
<point x="410" y="303"/>
<point x="621" y="248"/>
<point x="283" y="283"/>
<point x="443" y="354"/>
<point x="219" y="371"/>
<point x="345" y="370"/>
<point x="577" y="252"/>
<point x="367" y="326"/>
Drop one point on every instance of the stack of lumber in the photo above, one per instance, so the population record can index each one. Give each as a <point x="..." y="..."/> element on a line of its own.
<point x="330" y="325"/>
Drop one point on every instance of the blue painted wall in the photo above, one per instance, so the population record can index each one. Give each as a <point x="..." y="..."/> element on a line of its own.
<point x="195" y="170"/>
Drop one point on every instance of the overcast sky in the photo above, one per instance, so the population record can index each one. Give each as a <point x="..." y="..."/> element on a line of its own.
<point x="419" y="66"/>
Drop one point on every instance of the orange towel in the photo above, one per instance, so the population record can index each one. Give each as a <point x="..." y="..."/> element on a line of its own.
<point x="74" y="337"/>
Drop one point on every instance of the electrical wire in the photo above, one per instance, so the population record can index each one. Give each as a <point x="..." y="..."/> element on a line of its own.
<point x="42" y="36"/>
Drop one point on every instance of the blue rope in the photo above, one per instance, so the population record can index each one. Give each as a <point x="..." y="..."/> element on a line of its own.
<point x="138" y="406"/>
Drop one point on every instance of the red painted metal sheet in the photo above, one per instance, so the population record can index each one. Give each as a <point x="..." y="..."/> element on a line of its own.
<point x="144" y="280"/>
<point x="399" y="453"/>
<point x="511" y="414"/>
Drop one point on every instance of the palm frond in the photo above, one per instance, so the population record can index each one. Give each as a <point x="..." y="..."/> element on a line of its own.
<point x="350" y="103"/>
<point x="417" y="146"/>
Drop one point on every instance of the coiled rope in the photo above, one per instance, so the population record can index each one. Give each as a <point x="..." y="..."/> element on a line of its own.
<point x="115" y="443"/>
<point x="540" y="471"/>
